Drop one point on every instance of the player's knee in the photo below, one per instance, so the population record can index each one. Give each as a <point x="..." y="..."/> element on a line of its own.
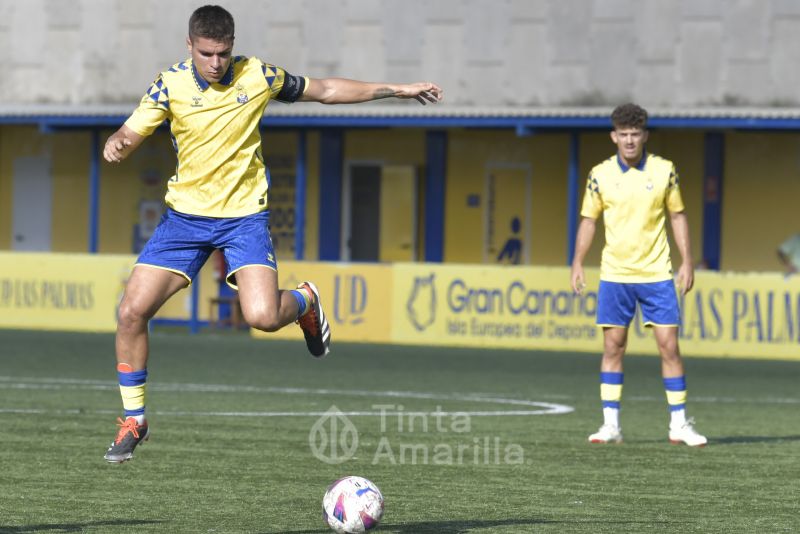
<point x="614" y="350"/>
<point x="669" y="352"/>
<point x="263" y="320"/>
<point x="668" y="348"/>
<point x="130" y="316"/>
<point x="266" y="326"/>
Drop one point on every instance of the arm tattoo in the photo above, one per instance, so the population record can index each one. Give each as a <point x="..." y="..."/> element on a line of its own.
<point x="382" y="92"/>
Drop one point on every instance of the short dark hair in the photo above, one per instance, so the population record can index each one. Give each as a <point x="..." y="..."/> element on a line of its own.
<point x="629" y="116"/>
<point x="211" y="22"/>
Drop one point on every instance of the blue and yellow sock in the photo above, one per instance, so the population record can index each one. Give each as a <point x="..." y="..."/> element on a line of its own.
<point x="132" y="387"/>
<point x="303" y="301"/>
<point x="676" y="398"/>
<point x="611" y="395"/>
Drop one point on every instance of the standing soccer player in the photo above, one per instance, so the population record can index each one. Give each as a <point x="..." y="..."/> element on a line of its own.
<point x="634" y="191"/>
<point x="218" y="198"/>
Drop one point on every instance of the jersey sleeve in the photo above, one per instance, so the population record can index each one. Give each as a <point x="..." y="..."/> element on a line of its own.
<point x="592" y="202"/>
<point x="674" y="199"/>
<point x="152" y="111"/>
<point x="283" y="86"/>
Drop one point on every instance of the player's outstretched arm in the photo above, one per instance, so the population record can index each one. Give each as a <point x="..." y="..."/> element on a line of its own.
<point x="121" y="144"/>
<point x="343" y="91"/>
<point x="583" y="241"/>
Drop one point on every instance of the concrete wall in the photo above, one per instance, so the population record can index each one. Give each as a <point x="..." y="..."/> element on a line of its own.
<point x="669" y="53"/>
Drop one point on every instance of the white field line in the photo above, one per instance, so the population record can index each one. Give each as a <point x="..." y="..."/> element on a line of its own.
<point x="533" y="407"/>
<point x="12" y="382"/>
<point x="722" y="400"/>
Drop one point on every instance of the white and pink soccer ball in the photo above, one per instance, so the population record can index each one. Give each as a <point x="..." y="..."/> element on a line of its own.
<point x="352" y="505"/>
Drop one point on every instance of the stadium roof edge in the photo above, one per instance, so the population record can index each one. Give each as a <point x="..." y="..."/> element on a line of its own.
<point x="408" y="114"/>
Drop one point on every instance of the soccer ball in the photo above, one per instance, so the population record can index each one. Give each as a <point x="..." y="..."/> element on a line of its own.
<point x="352" y="504"/>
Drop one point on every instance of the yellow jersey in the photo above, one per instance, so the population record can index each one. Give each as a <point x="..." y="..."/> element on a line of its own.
<point x="215" y="133"/>
<point x="633" y="202"/>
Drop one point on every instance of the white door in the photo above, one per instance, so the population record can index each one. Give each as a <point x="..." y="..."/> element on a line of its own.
<point x="379" y="212"/>
<point x="33" y="204"/>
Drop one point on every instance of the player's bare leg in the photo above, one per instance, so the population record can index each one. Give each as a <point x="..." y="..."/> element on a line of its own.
<point x="667" y="341"/>
<point x="615" y="340"/>
<point x="264" y="306"/>
<point x="268" y="308"/>
<point x="681" y="428"/>
<point x="146" y="291"/>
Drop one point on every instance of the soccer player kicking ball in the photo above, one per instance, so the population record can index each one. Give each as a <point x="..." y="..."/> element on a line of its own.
<point x="634" y="191"/>
<point x="218" y="198"/>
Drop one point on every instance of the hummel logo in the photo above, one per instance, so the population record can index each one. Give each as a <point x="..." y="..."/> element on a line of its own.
<point x="197" y="102"/>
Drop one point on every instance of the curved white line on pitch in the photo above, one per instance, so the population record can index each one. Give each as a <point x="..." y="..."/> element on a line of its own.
<point x="539" y="408"/>
<point x="13" y="382"/>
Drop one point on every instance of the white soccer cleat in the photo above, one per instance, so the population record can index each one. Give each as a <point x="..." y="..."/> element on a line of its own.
<point x="607" y="434"/>
<point x="687" y="434"/>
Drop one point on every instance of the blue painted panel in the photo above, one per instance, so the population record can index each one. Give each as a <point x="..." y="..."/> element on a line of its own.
<point x="573" y="193"/>
<point x="435" y="172"/>
<point x="300" y="198"/>
<point x="94" y="190"/>
<point x="712" y="198"/>
<point x="331" y="158"/>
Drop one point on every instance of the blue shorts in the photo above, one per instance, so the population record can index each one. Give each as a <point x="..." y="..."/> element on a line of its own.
<point x="616" y="303"/>
<point x="182" y="243"/>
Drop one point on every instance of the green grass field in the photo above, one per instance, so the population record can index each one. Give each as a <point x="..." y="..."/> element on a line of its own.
<point x="231" y="443"/>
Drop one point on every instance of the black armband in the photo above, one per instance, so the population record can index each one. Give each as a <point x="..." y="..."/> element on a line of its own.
<point x="293" y="88"/>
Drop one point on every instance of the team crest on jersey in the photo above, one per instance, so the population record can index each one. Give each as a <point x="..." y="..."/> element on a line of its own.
<point x="241" y="96"/>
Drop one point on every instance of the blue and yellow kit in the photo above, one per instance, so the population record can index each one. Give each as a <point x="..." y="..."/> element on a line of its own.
<point x="633" y="202"/>
<point x="214" y="130"/>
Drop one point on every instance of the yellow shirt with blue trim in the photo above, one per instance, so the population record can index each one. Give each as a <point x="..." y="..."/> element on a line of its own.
<point x="633" y="202"/>
<point x="215" y="133"/>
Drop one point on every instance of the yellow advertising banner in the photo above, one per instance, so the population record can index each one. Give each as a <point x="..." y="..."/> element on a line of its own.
<point x="726" y="314"/>
<point x="516" y="307"/>
<point x="356" y="299"/>
<point x="753" y="315"/>
<point x="61" y="291"/>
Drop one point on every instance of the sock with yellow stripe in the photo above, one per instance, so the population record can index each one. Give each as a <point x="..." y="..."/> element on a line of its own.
<point x="611" y="395"/>
<point x="676" y="398"/>
<point x="303" y="300"/>
<point x="132" y="386"/>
